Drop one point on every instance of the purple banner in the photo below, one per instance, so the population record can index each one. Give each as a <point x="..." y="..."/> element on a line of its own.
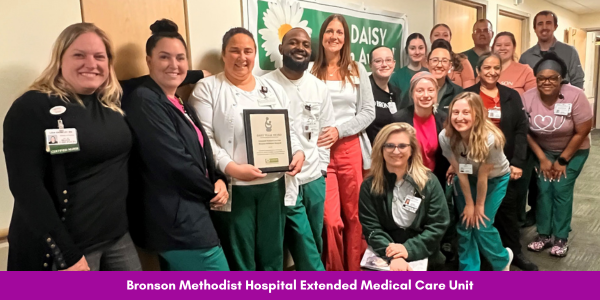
<point x="296" y="285"/>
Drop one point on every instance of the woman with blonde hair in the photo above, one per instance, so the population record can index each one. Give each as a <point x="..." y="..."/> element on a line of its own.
<point x="70" y="197"/>
<point x="474" y="147"/>
<point x="352" y="97"/>
<point x="402" y="206"/>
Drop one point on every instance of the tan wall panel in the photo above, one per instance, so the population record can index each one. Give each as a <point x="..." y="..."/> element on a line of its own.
<point x="578" y="39"/>
<point x="515" y="26"/>
<point x="460" y="18"/>
<point x="127" y="22"/>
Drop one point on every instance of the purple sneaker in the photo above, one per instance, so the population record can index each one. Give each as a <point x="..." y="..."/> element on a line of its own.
<point x="540" y="243"/>
<point x="559" y="248"/>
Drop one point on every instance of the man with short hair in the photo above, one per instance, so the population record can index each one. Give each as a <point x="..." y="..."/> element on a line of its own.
<point x="482" y="35"/>
<point x="312" y="111"/>
<point x="544" y="24"/>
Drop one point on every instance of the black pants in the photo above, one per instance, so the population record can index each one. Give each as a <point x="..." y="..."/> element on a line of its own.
<point x="507" y="218"/>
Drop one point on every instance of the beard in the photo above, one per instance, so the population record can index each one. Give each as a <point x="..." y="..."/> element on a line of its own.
<point x="294" y="65"/>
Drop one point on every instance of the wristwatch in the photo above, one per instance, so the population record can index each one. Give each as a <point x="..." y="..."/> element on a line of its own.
<point x="562" y="161"/>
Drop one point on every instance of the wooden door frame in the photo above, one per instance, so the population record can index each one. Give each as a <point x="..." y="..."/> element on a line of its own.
<point x="517" y="14"/>
<point x="480" y="5"/>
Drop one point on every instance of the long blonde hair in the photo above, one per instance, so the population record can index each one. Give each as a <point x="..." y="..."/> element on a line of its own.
<point x="52" y="82"/>
<point x="478" y="149"/>
<point x="347" y="67"/>
<point x="416" y="169"/>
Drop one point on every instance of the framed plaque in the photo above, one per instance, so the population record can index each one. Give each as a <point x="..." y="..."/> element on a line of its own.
<point x="268" y="139"/>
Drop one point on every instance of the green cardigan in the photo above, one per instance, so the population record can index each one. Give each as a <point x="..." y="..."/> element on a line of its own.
<point x="422" y="238"/>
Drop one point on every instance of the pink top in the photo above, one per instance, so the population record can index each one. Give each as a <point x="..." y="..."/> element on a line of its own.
<point x="179" y="106"/>
<point x="518" y="77"/>
<point x="464" y="78"/>
<point x="428" y="139"/>
<point x="553" y="132"/>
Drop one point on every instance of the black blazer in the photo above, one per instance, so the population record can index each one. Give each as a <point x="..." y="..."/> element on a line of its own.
<point x="513" y="123"/>
<point x="172" y="176"/>
<point x="441" y="163"/>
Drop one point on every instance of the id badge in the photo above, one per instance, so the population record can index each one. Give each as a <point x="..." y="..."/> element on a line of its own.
<point x="267" y="101"/>
<point x="465" y="168"/>
<point x="562" y="109"/>
<point x="310" y="126"/>
<point x="392" y="106"/>
<point x="60" y="141"/>
<point x="411" y="203"/>
<point x="227" y="206"/>
<point x="494" y="113"/>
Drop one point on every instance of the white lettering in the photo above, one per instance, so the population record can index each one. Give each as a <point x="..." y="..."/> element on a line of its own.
<point x="383" y="32"/>
<point x="354" y="35"/>
<point x="375" y="39"/>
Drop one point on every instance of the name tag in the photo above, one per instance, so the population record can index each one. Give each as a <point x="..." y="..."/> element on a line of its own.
<point x="562" y="109"/>
<point x="494" y="113"/>
<point x="60" y="141"/>
<point x="392" y="107"/>
<point x="310" y="126"/>
<point x="267" y="101"/>
<point x="411" y="203"/>
<point x="465" y="168"/>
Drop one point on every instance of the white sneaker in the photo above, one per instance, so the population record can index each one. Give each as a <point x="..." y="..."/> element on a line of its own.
<point x="510" y="258"/>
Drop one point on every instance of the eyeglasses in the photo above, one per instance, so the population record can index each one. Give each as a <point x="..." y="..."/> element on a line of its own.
<point x="487" y="30"/>
<point x="391" y="147"/>
<point x="436" y="61"/>
<point x="388" y="61"/>
<point x="551" y="79"/>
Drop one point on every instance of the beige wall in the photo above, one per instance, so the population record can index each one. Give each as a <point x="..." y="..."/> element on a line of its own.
<point x="25" y="52"/>
<point x="589" y="21"/>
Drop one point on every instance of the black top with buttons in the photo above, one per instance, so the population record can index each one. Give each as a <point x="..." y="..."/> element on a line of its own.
<point x="383" y="116"/>
<point x="68" y="202"/>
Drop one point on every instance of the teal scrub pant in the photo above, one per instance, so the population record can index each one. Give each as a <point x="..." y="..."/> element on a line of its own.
<point x="555" y="198"/>
<point x="252" y="233"/>
<point x="304" y="226"/>
<point x="485" y="239"/>
<point x="210" y="259"/>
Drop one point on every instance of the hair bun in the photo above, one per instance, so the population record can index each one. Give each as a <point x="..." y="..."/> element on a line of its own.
<point x="163" y="25"/>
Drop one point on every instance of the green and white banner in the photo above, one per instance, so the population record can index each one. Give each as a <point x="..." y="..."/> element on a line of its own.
<point x="270" y="20"/>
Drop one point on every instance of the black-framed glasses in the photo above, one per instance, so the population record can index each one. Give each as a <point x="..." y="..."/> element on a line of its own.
<point x="389" y="147"/>
<point x="551" y="79"/>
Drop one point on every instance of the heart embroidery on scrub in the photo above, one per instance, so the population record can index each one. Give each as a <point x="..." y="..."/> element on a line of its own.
<point x="539" y="119"/>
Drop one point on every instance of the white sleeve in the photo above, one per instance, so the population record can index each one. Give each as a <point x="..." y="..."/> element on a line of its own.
<point x="202" y="101"/>
<point x="365" y="107"/>
<point x="326" y="119"/>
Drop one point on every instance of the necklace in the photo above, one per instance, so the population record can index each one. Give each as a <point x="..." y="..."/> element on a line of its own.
<point x="332" y="73"/>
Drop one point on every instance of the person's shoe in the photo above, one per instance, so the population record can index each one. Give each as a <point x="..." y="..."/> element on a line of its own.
<point x="540" y="243"/>
<point x="529" y="219"/>
<point x="560" y="248"/>
<point x="521" y="262"/>
<point x="510" y="258"/>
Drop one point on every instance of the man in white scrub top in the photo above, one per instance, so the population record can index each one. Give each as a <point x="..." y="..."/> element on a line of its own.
<point x="311" y="110"/>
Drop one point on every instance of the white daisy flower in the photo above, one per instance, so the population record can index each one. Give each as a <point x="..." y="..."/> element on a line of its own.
<point x="279" y="19"/>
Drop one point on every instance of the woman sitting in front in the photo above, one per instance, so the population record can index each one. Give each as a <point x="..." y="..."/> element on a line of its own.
<point x="402" y="207"/>
<point x="473" y="145"/>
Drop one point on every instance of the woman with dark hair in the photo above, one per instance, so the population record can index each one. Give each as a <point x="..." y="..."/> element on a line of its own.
<point x="174" y="180"/>
<point x="461" y="72"/>
<point x="505" y="109"/>
<point x="350" y="89"/>
<point x="251" y="224"/>
<point x="402" y="207"/>
<point x="416" y="51"/>
<point x="514" y="75"/>
<point x="440" y="60"/>
<point x="560" y="120"/>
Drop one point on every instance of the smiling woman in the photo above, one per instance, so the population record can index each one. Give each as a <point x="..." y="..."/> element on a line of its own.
<point x="174" y="179"/>
<point x="70" y="209"/>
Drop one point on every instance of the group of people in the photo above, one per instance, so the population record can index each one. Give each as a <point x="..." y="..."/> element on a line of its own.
<point x="413" y="163"/>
